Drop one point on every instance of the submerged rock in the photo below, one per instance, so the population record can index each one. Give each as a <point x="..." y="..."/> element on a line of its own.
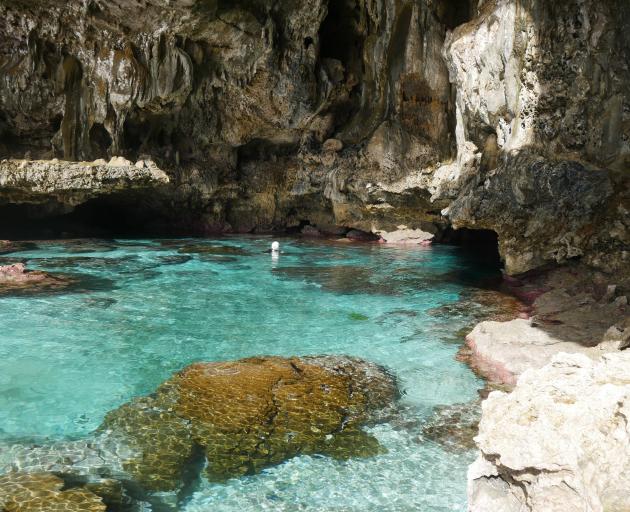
<point x="218" y="250"/>
<point x="343" y="279"/>
<point x="454" y="426"/>
<point x="16" y="278"/>
<point x="226" y="419"/>
<point x="249" y="414"/>
<point x="44" y="492"/>
<point x="560" y="441"/>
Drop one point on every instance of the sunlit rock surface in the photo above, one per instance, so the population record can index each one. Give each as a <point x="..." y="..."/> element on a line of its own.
<point x="573" y="310"/>
<point x="542" y="108"/>
<point x="250" y="414"/>
<point x="560" y="441"/>
<point x="72" y="183"/>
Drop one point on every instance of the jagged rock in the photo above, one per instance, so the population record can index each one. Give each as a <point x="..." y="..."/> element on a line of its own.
<point x="71" y="183"/>
<point x="15" y="278"/>
<point x="16" y="273"/>
<point x="406" y="236"/>
<point x="311" y="231"/>
<point x="235" y="102"/>
<point x="550" y="138"/>
<point x="560" y="441"/>
<point x="332" y="145"/>
<point x="504" y="350"/>
<point x="570" y="313"/>
<point x="361" y="236"/>
<point x="617" y="337"/>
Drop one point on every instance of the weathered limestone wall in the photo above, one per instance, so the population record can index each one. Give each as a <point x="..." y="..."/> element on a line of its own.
<point x="510" y="115"/>
<point x="543" y="108"/>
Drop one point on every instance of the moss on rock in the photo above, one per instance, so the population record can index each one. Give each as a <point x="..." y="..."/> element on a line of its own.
<point x="249" y="414"/>
<point x="43" y="492"/>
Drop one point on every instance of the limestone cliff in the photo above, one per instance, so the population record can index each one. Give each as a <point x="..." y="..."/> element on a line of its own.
<point x="510" y="115"/>
<point x="542" y="105"/>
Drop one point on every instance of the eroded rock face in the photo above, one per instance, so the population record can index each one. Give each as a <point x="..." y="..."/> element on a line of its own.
<point x="542" y="110"/>
<point x="260" y="111"/>
<point x="66" y="184"/>
<point x="560" y="441"/>
<point x="509" y="115"/>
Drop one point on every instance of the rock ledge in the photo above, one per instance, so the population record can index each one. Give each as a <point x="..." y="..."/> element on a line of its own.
<point x="560" y="441"/>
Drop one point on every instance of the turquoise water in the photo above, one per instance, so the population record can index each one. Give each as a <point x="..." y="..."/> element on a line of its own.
<point x="145" y="309"/>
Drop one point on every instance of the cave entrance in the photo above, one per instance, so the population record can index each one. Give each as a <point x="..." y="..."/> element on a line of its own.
<point x="339" y="34"/>
<point x="100" y="141"/>
<point x="481" y="246"/>
<point x="453" y="13"/>
<point x="134" y="213"/>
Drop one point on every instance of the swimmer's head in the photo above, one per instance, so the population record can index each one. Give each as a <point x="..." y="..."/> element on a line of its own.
<point x="275" y="247"/>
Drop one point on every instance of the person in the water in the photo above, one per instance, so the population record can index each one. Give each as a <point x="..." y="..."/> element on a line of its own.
<point x="275" y="249"/>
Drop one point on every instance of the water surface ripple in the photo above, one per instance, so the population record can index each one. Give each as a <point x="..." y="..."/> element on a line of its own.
<point x="157" y="305"/>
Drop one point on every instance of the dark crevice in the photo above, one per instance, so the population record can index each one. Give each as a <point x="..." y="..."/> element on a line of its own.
<point x="338" y="34"/>
<point x="341" y="40"/>
<point x="481" y="245"/>
<point x="192" y="474"/>
<point x="100" y="141"/>
<point x="453" y="13"/>
<point x="72" y="122"/>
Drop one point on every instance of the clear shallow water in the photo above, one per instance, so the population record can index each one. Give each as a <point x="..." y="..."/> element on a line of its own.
<point x="66" y="359"/>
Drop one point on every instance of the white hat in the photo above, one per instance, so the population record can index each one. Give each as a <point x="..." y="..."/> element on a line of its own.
<point x="275" y="246"/>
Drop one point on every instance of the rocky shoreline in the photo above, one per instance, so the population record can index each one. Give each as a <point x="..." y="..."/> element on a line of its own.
<point x="359" y="120"/>
<point x="549" y="440"/>
<point x="570" y="309"/>
<point x="553" y="443"/>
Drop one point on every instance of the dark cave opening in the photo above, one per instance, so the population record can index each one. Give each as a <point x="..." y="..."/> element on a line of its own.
<point x="124" y="214"/>
<point x="55" y="123"/>
<point x="339" y="35"/>
<point x="156" y="135"/>
<point x="453" y="13"/>
<point x="135" y="132"/>
<point x="480" y="245"/>
<point x="100" y="141"/>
